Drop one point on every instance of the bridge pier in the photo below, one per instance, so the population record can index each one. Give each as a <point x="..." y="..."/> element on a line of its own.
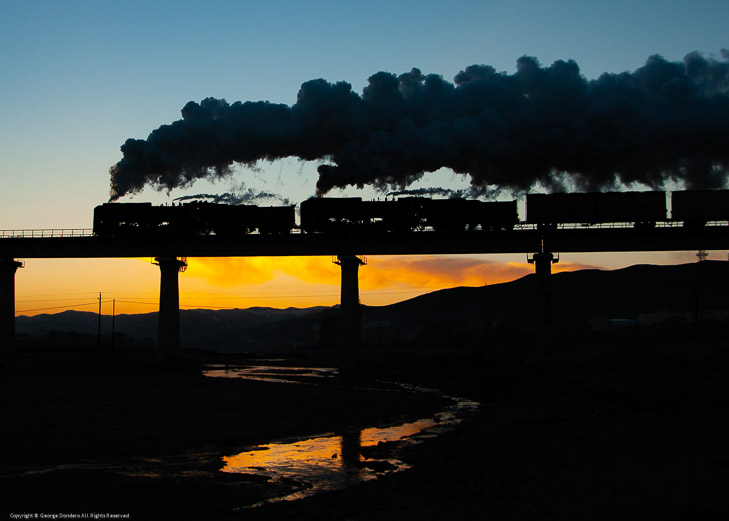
<point x="8" y="267"/>
<point x="168" y="335"/>
<point x="351" y="321"/>
<point x="543" y="309"/>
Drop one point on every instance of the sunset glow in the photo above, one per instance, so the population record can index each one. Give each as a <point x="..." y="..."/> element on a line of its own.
<point x="132" y="285"/>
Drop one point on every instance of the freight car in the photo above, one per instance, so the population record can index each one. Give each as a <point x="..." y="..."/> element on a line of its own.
<point x="195" y="218"/>
<point x="460" y="214"/>
<point x="638" y="208"/>
<point x="327" y="215"/>
<point x="697" y="207"/>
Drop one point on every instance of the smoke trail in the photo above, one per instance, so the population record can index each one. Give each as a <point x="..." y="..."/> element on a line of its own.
<point x="473" y="192"/>
<point x="666" y="121"/>
<point x="422" y="192"/>
<point x="248" y="196"/>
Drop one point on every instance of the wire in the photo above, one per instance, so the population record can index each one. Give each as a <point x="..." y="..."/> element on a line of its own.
<point x="60" y="307"/>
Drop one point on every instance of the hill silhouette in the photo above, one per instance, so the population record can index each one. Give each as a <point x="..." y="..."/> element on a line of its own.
<point x="583" y="300"/>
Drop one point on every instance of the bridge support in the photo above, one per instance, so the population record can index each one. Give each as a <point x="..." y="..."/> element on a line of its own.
<point x="8" y="267"/>
<point x="351" y="321"/>
<point x="543" y="312"/>
<point x="168" y="334"/>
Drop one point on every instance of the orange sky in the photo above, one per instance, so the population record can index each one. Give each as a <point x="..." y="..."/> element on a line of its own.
<point x="53" y="285"/>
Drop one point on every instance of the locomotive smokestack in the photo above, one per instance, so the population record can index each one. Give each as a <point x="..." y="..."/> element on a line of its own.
<point x="666" y="121"/>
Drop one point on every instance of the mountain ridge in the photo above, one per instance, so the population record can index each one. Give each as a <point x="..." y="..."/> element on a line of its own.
<point x="460" y="314"/>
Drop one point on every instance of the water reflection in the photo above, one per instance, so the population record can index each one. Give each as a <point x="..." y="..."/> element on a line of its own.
<point x="270" y="373"/>
<point x="332" y="462"/>
<point x="313" y="465"/>
<point x="301" y="467"/>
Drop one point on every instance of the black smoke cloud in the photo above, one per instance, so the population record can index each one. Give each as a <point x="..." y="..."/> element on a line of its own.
<point x="239" y="197"/>
<point x="473" y="192"/>
<point x="549" y="126"/>
<point x="430" y="191"/>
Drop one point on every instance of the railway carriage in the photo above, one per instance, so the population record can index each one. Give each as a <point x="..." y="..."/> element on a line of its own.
<point x="697" y="207"/>
<point x="590" y="208"/>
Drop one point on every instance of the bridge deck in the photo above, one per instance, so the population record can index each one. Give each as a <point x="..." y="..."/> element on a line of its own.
<point x="413" y="243"/>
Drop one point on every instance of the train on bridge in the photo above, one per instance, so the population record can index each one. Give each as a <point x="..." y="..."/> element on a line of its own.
<point x="405" y="214"/>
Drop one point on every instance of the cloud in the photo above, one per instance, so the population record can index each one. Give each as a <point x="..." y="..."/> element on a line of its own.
<point x="441" y="272"/>
<point x="381" y="273"/>
<point x="238" y="271"/>
<point x="540" y="126"/>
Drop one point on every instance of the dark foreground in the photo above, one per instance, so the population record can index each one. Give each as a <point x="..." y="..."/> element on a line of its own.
<point x="618" y="429"/>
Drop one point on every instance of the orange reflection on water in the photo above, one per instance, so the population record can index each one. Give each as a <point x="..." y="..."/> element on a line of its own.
<point x="330" y="452"/>
<point x="372" y="436"/>
<point x="320" y="452"/>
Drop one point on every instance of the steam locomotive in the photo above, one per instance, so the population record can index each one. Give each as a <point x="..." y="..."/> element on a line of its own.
<point x="353" y="215"/>
<point x="195" y="218"/>
<point x="405" y="214"/>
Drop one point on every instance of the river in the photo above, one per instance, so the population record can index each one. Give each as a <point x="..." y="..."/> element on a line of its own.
<point x="332" y="461"/>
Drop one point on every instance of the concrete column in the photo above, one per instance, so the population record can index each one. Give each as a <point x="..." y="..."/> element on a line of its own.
<point x="350" y="281"/>
<point x="351" y="321"/>
<point x="8" y="267"/>
<point x="544" y="311"/>
<point x="169" y="304"/>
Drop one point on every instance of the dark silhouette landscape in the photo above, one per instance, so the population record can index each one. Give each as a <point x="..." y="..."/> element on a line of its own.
<point x="642" y="297"/>
<point x="618" y="413"/>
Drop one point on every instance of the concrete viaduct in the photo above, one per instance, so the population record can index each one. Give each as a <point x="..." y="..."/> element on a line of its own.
<point x="168" y="250"/>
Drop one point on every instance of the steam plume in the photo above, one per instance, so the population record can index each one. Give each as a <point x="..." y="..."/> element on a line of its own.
<point x="473" y="192"/>
<point x="242" y="197"/>
<point x="666" y="121"/>
<point x="420" y="192"/>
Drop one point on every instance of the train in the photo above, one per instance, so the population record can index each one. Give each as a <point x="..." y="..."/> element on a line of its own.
<point x="194" y="218"/>
<point x="690" y="208"/>
<point x="641" y="209"/>
<point x="405" y="214"/>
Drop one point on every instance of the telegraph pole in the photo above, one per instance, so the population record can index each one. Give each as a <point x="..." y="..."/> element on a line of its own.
<point x="99" y="334"/>
<point x="113" y="323"/>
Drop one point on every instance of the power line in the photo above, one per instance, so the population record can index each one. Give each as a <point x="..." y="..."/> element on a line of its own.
<point x="58" y="307"/>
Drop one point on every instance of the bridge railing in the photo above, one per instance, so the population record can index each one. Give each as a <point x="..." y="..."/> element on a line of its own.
<point x="88" y="232"/>
<point x="602" y="226"/>
<point x="47" y="232"/>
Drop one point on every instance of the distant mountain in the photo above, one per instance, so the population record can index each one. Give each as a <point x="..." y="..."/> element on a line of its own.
<point x="581" y="300"/>
<point x="623" y="292"/>
<point x="223" y="329"/>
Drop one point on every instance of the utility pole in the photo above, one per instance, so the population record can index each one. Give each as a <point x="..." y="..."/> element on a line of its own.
<point x="113" y="321"/>
<point x="99" y="335"/>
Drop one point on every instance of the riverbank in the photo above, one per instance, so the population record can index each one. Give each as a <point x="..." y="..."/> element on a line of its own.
<point x="618" y="429"/>
<point x="85" y="434"/>
<point x="611" y="430"/>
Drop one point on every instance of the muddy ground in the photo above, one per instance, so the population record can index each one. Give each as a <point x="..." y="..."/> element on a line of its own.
<point x="617" y="429"/>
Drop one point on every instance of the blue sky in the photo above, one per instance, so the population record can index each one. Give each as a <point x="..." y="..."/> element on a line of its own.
<point x="80" y="77"/>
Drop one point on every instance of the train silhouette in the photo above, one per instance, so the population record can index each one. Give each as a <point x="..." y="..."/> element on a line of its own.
<point x="405" y="214"/>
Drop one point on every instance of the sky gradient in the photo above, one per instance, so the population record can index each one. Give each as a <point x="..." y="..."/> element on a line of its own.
<point x="81" y="77"/>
